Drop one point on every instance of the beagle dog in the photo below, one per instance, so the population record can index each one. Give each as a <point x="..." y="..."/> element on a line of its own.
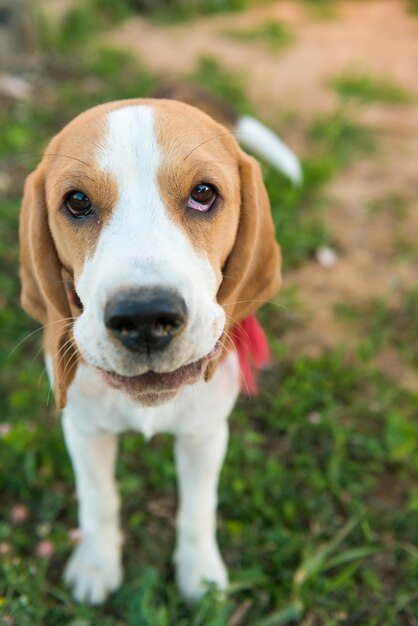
<point x="146" y="239"/>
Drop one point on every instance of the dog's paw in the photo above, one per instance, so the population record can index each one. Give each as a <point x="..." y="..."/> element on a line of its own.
<point x="195" y="570"/>
<point x="94" y="569"/>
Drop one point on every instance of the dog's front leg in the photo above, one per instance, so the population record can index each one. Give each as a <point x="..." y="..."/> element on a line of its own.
<point x="199" y="461"/>
<point x="94" y="570"/>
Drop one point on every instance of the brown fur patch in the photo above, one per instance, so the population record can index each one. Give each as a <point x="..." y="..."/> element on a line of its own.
<point x="70" y="164"/>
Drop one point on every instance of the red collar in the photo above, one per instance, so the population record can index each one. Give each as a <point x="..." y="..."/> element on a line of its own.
<point x="251" y="345"/>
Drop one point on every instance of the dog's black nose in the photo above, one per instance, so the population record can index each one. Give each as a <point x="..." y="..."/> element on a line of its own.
<point x="146" y="320"/>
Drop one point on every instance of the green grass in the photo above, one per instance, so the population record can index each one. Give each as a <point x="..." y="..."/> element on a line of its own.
<point x="274" y="34"/>
<point x="169" y="11"/>
<point x="83" y="21"/>
<point x="319" y="493"/>
<point x="389" y="322"/>
<point x="94" y="15"/>
<point x="413" y="7"/>
<point x="297" y="213"/>
<point x="303" y="525"/>
<point x="369" y="89"/>
<point x="210" y="74"/>
<point x="323" y="9"/>
<point x="342" y="139"/>
<point x="397" y="204"/>
<point x="398" y="207"/>
<point x="79" y="24"/>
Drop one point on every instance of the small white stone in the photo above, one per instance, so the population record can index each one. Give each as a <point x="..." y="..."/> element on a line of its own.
<point x="326" y="257"/>
<point x="5" y="429"/>
<point x="314" y="417"/>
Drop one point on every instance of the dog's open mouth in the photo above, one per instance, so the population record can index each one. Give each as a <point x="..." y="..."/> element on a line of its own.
<point x="157" y="383"/>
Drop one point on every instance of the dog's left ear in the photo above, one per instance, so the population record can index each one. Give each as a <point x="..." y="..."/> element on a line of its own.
<point x="43" y="293"/>
<point x="252" y="273"/>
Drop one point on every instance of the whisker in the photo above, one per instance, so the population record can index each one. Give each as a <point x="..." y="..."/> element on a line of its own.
<point x="72" y="360"/>
<point x="50" y="387"/>
<point x="229" y="350"/>
<point x="36" y="331"/>
<point x="235" y="338"/>
<point x="78" y="176"/>
<point x="39" y="155"/>
<point x="242" y="377"/>
<point x="237" y="324"/>
<point x="57" y="183"/>
<point x="38" y="353"/>
<point x="243" y="345"/>
<point x="273" y="302"/>
<point x="230" y="132"/>
<point x="48" y="396"/>
<point x="203" y="163"/>
<point x="247" y="389"/>
<point x="75" y="174"/>
<point x="66" y="156"/>
<point x="38" y="382"/>
<point x="207" y="141"/>
<point x="70" y="343"/>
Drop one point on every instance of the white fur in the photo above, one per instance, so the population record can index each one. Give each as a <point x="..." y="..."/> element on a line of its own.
<point x="255" y="136"/>
<point x="142" y="246"/>
<point x="198" y="418"/>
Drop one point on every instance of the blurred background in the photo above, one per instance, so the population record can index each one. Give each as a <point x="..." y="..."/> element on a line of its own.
<point x="318" y="515"/>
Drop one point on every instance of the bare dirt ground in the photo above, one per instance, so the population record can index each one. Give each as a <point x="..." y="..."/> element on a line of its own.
<point x="377" y="33"/>
<point x="378" y="36"/>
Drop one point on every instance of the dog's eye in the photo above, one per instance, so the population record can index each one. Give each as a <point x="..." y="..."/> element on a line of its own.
<point x="78" y="204"/>
<point x="202" y="197"/>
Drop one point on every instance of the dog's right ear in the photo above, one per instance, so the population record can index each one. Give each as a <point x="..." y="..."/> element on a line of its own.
<point x="43" y="293"/>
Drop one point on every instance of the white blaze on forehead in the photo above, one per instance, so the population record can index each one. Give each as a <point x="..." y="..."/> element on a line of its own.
<point x="132" y="156"/>
<point x="131" y="153"/>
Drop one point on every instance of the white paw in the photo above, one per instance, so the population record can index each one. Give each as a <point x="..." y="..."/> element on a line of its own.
<point x="94" y="569"/>
<point x="194" y="569"/>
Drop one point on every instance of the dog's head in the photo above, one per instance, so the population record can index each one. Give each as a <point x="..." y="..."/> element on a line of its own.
<point x="146" y="234"/>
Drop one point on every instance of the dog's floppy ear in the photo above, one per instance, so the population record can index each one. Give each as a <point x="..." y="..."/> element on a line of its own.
<point x="43" y="293"/>
<point x="252" y="273"/>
